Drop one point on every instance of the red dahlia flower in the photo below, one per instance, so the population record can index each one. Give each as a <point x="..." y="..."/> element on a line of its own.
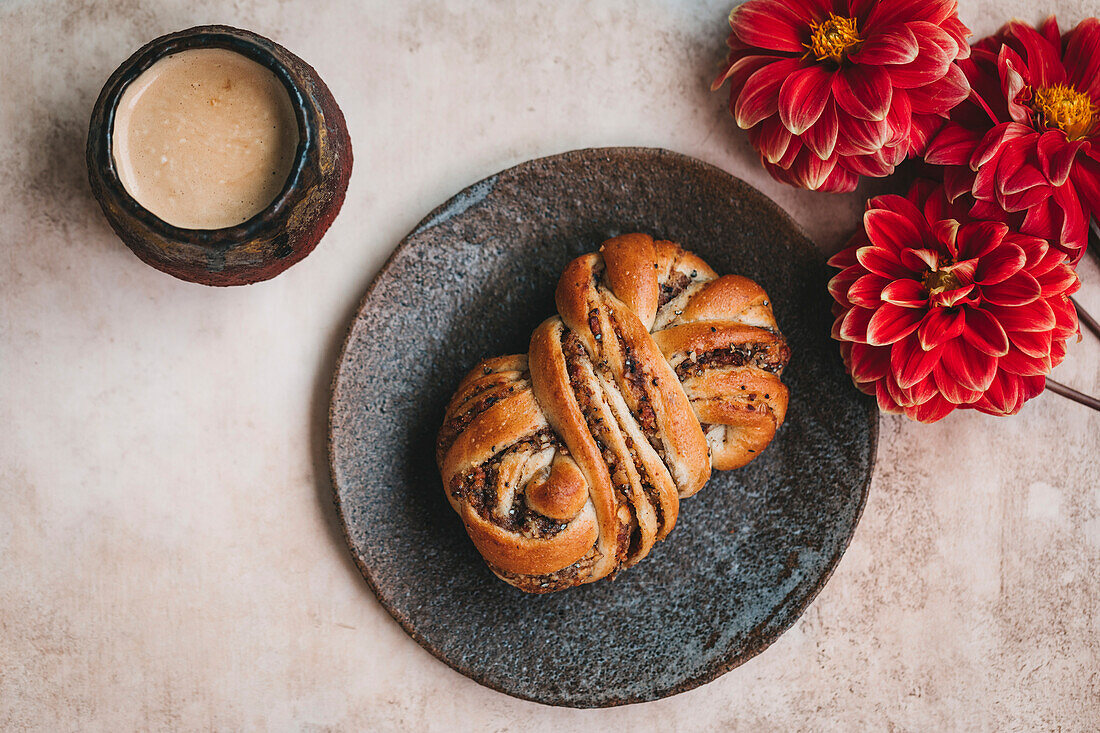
<point x="830" y="90"/>
<point x="1026" y="144"/>
<point x="935" y="312"/>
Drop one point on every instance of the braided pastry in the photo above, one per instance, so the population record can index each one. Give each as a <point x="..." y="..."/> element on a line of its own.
<point x="566" y="464"/>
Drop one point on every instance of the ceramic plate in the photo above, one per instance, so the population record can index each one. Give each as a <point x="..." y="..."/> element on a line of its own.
<point x="749" y="552"/>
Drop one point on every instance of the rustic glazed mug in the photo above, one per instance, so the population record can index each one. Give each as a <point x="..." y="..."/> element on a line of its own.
<point x="287" y="229"/>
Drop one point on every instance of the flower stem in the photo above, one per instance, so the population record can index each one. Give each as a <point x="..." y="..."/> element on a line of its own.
<point x="1070" y="393"/>
<point x="1084" y="317"/>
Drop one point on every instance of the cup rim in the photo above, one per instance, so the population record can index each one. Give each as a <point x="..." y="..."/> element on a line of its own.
<point x="250" y="46"/>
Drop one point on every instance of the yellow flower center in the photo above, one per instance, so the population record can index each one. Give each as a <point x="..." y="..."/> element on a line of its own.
<point x="937" y="281"/>
<point x="1064" y="108"/>
<point x="833" y="38"/>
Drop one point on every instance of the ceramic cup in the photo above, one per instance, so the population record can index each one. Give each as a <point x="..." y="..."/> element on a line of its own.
<point x="272" y="240"/>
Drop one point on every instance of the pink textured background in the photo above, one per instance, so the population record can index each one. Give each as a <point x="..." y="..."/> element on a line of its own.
<point x="168" y="554"/>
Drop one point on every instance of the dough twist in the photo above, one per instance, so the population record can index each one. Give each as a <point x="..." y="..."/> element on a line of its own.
<point x="568" y="463"/>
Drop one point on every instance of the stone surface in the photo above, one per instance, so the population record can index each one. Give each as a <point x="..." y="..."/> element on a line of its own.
<point x="169" y="555"/>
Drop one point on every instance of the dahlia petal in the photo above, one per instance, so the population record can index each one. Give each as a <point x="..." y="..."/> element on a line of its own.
<point x="841" y="283"/>
<point x="1019" y="178"/>
<point x="738" y="70"/>
<point x="985" y="84"/>
<point x="1057" y="353"/>
<point x="868" y="363"/>
<point x="892" y="322"/>
<point x="882" y="261"/>
<point x="1020" y="289"/>
<point x="951" y="388"/>
<point x="986" y="211"/>
<point x="875" y="165"/>
<point x="906" y="293"/>
<point x="993" y="140"/>
<point x="866" y="292"/>
<point x="1049" y="30"/>
<point x="847" y="256"/>
<point x="937" y="50"/>
<point x="963" y="269"/>
<point x="952" y="145"/>
<point x="1065" y="317"/>
<point x="1000" y="264"/>
<point x="900" y="396"/>
<point x="1041" y="258"/>
<point x="935" y="33"/>
<point x="940" y="96"/>
<point x="921" y="126"/>
<point x="1035" y="344"/>
<point x="812" y="9"/>
<point x="985" y="180"/>
<point x="960" y="33"/>
<point x="957" y="180"/>
<point x="897" y="45"/>
<point x="865" y="92"/>
<point x="780" y="174"/>
<point x="1043" y="220"/>
<point x="791" y="155"/>
<point x="769" y="24"/>
<point x="909" y="363"/>
<point x="1013" y="158"/>
<point x="803" y="96"/>
<point x="944" y="233"/>
<point x="1085" y="177"/>
<point x="1082" y="56"/>
<point x="759" y="98"/>
<point x="931" y="411"/>
<point x="1003" y="397"/>
<point x="903" y="125"/>
<point x="841" y="180"/>
<point x="984" y="332"/>
<point x="1075" y="221"/>
<point x="918" y="260"/>
<point x="858" y="8"/>
<point x="1024" y="200"/>
<point x="886" y="403"/>
<point x="1056" y="155"/>
<point x="974" y="369"/>
<point x="922" y="391"/>
<point x="901" y="205"/>
<point x="950" y="298"/>
<point x="809" y="171"/>
<point x="1032" y="387"/>
<point x="940" y="326"/>
<point x="892" y="229"/>
<point x="1017" y="362"/>
<point x="921" y="192"/>
<point x="977" y="239"/>
<point x="821" y="137"/>
<point x="860" y="137"/>
<point x="900" y="11"/>
<point x="854" y="325"/>
<point x="771" y="139"/>
<point x="1058" y="280"/>
<point x="1009" y="68"/>
<point x="1043" y="59"/>
<point x="1035" y="316"/>
<point x="834" y="333"/>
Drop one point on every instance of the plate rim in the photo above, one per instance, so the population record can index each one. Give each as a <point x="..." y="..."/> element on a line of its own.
<point x="711" y="673"/>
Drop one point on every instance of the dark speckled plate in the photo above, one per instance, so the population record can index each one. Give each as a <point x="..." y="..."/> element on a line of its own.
<point x="749" y="552"/>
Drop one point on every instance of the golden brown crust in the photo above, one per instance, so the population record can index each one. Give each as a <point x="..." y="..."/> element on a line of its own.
<point x="567" y="464"/>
